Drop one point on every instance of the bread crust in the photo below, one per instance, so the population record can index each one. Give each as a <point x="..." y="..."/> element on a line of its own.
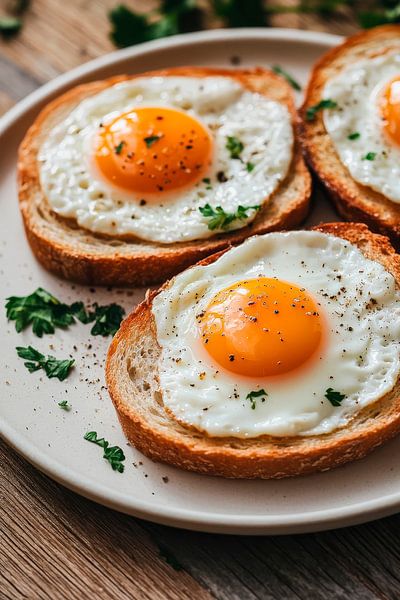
<point x="76" y="254"/>
<point x="352" y="200"/>
<point x="161" y="438"/>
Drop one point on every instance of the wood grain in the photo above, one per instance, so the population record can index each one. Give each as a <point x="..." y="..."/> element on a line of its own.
<point x="56" y="545"/>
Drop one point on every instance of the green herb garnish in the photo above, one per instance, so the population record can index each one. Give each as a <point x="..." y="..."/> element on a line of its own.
<point x="64" y="405"/>
<point x="35" y="360"/>
<point x="41" y="309"/>
<point x="251" y="396"/>
<point x="118" y="149"/>
<point x="10" y="26"/>
<point x="354" y="136"/>
<point x="234" y="146"/>
<point x="370" y="156"/>
<point x="113" y="454"/>
<point x="151" y="139"/>
<point x="250" y="166"/>
<point x="237" y="13"/>
<point x="107" y="318"/>
<point x="279" y="71"/>
<point x="322" y="105"/>
<point x="46" y="313"/>
<point x="219" y="219"/>
<point x="335" y="398"/>
<point x="174" y="16"/>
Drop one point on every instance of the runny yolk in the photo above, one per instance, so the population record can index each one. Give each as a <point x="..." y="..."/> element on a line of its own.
<point x="390" y="109"/>
<point x="261" y="327"/>
<point x="150" y="150"/>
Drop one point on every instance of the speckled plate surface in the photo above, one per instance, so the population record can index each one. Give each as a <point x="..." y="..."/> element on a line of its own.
<point x="52" y="439"/>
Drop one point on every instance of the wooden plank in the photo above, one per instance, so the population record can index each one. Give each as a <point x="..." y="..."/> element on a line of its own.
<point x="56" y="545"/>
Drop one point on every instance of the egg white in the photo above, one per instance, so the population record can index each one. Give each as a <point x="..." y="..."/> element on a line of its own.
<point x="75" y="190"/>
<point x="360" y="359"/>
<point x="356" y="91"/>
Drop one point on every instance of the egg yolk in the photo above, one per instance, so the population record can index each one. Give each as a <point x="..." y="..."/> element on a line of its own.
<point x="261" y="327"/>
<point x="151" y="150"/>
<point x="390" y="109"/>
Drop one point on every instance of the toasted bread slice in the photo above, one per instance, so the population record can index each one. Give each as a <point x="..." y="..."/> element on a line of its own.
<point x="353" y="200"/>
<point x="132" y="380"/>
<point x="75" y="253"/>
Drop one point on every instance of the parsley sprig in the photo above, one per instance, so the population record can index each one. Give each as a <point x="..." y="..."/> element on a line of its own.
<point x="114" y="454"/>
<point x="174" y="16"/>
<point x="335" y="398"/>
<point x="35" y="360"/>
<point x="283" y="73"/>
<point x="324" y="104"/>
<point x="234" y="146"/>
<point x="46" y="313"/>
<point x="65" y="405"/>
<point x="252" y="397"/>
<point x="107" y="319"/>
<point x="41" y="310"/>
<point x="219" y="219"/>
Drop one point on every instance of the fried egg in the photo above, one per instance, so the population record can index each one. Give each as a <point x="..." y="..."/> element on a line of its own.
<point x="365" y="125"/>
<point x="288" y="334"/>
<point x="153" y="157"/>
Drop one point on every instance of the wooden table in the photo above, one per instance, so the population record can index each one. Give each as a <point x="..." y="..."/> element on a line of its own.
<point x="57" y="545"/>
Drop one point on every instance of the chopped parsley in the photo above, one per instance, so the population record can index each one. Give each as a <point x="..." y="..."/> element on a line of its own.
<point x="151" y="139"/>
<point x="322" y="105"/>
<point x="252" y="396"/>
<point x="64" y="405"/>
<point x="279" y="71"/>
<point x="35" y="360"/>
<point x="370" y="156"/>
<point x="118" y="149"/>
<point x="219" y="219"/>
<point x="114" y="454"/>
<point x="335" y="398"/>
<point x="41" y="309"/>
<point x="46" y="313"/>
<point x="234" y="146"/>
<point x="107" y="319"/>
<point x="354" y="136"/>
<point x="10" y="26"/>
<point x="174" y="16"/>
<point x="250" y="166"/>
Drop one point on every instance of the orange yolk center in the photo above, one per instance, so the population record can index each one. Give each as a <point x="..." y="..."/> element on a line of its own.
<point x="150" y="150"/>
<point x="390" y="109"/>
<point x="261" y="327"/>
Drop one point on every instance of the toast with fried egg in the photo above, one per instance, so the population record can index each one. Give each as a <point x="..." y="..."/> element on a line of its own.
<point x="73" y="252"/>
<point x="133" y="379"/>
<point x="364" y="100"/>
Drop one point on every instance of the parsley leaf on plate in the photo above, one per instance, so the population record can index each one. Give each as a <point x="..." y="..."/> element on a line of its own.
<point x="219" y="219"/>
<point x="107" y="318"/>
<point x="46" y="313"/>
<point x="40" y="309"/>
<point x="64" y="405"/>
<point x="35" y="360"/>
<point x="114" y="454"/>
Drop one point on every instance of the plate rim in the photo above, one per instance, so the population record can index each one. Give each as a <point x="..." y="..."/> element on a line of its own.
<point x="351" y="514"/>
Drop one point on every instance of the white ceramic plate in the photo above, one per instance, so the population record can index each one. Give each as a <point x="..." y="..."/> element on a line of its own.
<point x="52" y="439"/>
